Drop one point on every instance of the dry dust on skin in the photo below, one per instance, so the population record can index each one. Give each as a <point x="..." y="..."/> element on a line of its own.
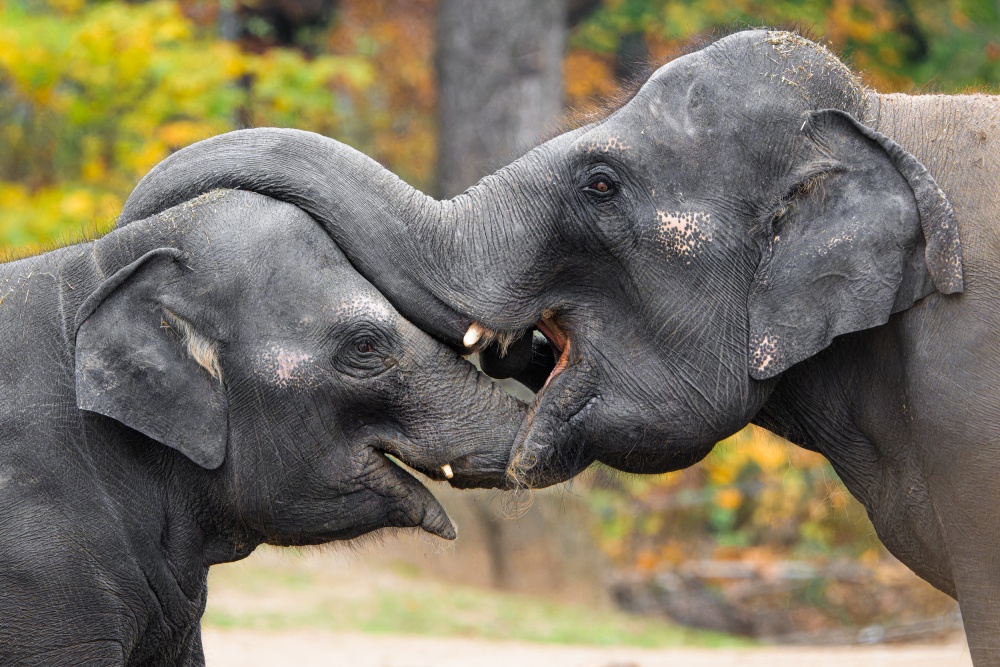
<point x="795" y="73"/>
<point x="250" y="648"/>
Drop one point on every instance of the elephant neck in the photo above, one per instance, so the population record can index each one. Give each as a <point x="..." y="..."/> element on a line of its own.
<point x="946" y="133"/>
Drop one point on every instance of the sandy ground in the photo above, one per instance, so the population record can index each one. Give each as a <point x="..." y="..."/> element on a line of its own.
<point x="245" y="648"/>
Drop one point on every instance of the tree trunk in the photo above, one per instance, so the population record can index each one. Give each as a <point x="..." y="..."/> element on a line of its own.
<point x="499" y="68"/>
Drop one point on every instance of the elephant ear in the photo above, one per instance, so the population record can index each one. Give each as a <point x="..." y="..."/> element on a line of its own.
<point x="138" y="361"/>
<point x="866" y="233"/>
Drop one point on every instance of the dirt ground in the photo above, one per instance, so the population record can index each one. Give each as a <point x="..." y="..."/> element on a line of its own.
<point x="304" y="648"/>
<point x="282" y="607"/>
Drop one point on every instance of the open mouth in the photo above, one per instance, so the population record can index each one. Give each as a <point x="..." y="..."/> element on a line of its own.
<point x="539" y="370"/>
<point x="417" y="507"/>
<point x="559" y="341"/>
<point x="535" y="368"/>
<point x="549" y="447"/>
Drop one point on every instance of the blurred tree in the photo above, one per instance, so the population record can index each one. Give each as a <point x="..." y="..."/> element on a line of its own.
<point x="499" y="68"/>
<point x="499" y="71"/>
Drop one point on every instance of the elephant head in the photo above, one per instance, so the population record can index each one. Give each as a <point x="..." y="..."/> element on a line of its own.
<point x="242" y="338"/>
<point x="727" y="222"/>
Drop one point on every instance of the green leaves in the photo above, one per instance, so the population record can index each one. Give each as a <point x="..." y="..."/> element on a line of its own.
<point x="92" y="96"/>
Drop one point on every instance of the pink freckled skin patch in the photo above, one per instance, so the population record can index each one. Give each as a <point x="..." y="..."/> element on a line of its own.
<point x="609" y="145"/>
<point x="285" y="367"/>
<point x="288" y="364"/>
<point x="683" y="233"/>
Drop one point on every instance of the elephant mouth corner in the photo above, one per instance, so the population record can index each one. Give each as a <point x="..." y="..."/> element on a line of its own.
<point x="560" y="342"/>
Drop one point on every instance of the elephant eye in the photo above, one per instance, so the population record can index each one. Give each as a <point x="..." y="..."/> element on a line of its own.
<point x="600" y="185"/>
<point x="366" y="353"/>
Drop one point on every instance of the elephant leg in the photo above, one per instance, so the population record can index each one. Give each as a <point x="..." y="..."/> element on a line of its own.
<point x="981" y="616"/>
<point x="977" y="582"/>
<point x="966" y="507"/>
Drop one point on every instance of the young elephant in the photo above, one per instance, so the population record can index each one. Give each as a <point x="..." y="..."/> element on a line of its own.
<point x="233" y="331"/>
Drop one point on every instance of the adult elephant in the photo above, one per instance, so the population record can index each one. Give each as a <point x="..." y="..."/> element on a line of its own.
<point x="754" y="236"/>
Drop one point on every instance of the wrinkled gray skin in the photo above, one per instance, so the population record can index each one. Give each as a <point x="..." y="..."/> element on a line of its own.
<point x="127" y="468"/>
<point x="753" y="237"/>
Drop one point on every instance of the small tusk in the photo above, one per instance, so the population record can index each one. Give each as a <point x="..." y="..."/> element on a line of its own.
<point x="473" y="335"/>
<point x="448" y="472"/>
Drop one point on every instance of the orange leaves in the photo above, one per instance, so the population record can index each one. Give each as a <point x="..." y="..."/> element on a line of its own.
<point x="589" y="79"/>
<point x="754" y="494"/>
<point x="394" y="114"/>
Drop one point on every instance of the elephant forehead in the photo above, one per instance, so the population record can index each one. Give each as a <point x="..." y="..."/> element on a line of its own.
<point x="371" y="305"/>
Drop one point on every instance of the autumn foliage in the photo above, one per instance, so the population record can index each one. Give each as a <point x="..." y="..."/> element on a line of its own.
<point x="93" y="94"/>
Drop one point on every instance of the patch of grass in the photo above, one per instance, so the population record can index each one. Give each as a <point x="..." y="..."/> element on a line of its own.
<point x="279" y="596"/>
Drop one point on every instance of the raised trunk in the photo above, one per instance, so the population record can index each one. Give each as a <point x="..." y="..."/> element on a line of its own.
<point x="441" y="264"/>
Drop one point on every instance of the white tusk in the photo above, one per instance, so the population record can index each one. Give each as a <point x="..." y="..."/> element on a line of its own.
<point x="446" y="469"/>
<point x="473" y="335"/>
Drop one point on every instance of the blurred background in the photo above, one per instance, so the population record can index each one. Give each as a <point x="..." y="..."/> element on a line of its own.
<point x="760" y="541"/>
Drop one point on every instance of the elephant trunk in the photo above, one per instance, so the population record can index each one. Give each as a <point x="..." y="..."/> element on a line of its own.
<point x="439" y="263"/>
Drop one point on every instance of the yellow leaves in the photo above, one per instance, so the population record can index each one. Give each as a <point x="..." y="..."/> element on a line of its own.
<point x="67" y="6"/>
<point x="96" y="94"/>
<point x="77" y="204"/>
<point x="728" y="499"/>
<point x="13" y="195"/>
<point x="754" y="491"/>
<point x="180" y="133"/>
<point x="53" y="215"/>
<point x="141" y="159"/>
<point x="723" y="472"/>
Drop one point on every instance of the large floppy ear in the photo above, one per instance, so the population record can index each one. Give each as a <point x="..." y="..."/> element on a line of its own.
<point x="140" y="362"/>
<point x="864" y="233"/>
